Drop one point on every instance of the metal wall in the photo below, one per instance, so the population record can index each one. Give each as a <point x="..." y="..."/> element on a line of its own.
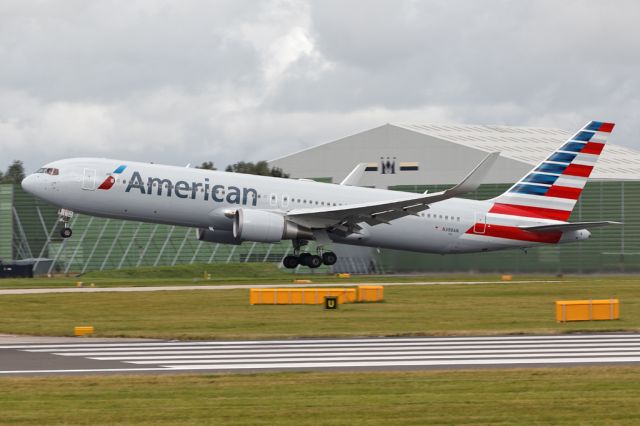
<point x="610" y="249"/>
<point x="6" y="222"/>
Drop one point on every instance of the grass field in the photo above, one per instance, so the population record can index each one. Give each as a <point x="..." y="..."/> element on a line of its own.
<point x="263" y="273"/>
<point x="596" y="395"/>
<point x="407" y="310"/>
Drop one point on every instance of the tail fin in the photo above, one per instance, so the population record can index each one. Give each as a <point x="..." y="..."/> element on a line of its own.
<point x="550" y="190"/>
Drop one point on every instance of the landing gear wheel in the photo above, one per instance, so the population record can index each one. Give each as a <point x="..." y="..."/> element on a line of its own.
<point x="290" y="262"/>
<point x="65" y="216"/>
<point x="329" y="258"/>
<point x="304" y="258"/>
<point x="314" y="261"/>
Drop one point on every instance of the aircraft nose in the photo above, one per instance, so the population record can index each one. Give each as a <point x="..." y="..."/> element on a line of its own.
<point x="30" y="184"/>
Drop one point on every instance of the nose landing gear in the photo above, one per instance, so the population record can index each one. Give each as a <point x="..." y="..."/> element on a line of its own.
<point x="307" y="259"/>
<point x="65" y="216"/>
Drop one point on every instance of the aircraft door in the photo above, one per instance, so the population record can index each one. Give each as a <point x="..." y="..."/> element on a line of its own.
<point x="89" y="180"/>
<point x="480" y="223"/>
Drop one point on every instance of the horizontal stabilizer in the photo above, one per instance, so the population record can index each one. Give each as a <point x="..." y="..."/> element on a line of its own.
<point x="568" y="226"/>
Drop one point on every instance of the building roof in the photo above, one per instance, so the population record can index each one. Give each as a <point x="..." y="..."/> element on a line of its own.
<point x="531" y="145"/>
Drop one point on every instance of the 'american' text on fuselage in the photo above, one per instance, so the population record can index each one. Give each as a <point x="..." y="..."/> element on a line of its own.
<point x="182" y="189"/>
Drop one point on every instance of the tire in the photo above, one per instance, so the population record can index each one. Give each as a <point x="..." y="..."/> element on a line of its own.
<point x="66" y="232"/>
<point x="290" y="262"/>
<point x="304" y="258"/>
<point x="314" y="261"/>
<point x="329" y="258"/>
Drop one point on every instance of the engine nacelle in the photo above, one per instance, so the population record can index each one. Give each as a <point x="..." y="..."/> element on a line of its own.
<point x="266" y="227"/>
<point x="218" y="236"/>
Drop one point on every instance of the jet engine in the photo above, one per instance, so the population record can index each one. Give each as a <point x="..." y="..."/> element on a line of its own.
<point x="218" y="236"/>
<point x="266" y="227"/>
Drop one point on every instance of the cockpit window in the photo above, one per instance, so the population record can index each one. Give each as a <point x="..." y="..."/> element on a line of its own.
<point x="49" y="170"/>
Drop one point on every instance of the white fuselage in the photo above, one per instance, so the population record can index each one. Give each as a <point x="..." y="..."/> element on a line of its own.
<point x="204" y="199"/>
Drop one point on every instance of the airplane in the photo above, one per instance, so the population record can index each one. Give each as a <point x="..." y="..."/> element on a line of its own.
<point x="231" y="208"/>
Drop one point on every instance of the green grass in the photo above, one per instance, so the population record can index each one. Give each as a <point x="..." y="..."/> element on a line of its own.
<point x="220" y="273"/>
<point x="162" y="275"/>
<point x="407" y="310"/>
<point x="596" y="395"/>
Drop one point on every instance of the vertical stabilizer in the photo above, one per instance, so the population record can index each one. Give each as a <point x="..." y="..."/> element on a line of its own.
<point x="551" y="189"/>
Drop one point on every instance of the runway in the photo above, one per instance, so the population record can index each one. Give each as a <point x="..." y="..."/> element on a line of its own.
<point x="318" y="354"/>
<point x="49" y="290"/>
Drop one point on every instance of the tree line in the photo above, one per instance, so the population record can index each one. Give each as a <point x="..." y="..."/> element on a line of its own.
<point x="259" y="168"/>
<point x="15" y="171"/>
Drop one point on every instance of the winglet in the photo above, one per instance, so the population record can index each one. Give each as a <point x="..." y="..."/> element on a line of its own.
<point x="353" y="178"/>
<point x="475" y="177"/>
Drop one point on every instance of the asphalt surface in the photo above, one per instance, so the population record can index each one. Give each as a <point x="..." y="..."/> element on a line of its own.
<point x="240" y="286"/>
<point x="131" y="357"/>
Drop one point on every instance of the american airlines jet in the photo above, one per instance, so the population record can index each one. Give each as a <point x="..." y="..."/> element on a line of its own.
<point x="232" y="208"/>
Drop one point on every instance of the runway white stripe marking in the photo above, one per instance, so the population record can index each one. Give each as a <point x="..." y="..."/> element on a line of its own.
<point x="354" y="343"/>
<point x="404" y="363"/>
<point x="295" y="350"/>
<point x="164" y="358"/>
<point x="325" y="341"/>
<point x="348" y="353"/>
<point x="390" y="359"/>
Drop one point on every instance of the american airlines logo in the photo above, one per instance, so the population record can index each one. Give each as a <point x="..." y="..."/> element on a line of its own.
<point x="193" y="190"/>
<point x="110" y="180"/>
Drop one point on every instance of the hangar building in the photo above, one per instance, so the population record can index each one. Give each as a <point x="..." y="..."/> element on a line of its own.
<point x="411" y="157"/>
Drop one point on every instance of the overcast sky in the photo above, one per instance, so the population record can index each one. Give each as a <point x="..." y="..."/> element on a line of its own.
<point x="184" y="81"/>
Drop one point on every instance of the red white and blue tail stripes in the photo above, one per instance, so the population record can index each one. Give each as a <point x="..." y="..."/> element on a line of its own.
<point x="551" y="189"/>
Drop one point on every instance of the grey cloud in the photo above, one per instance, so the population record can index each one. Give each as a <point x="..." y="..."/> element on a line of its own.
<point x="106" y="50"/>
<point x="183" y="82"/>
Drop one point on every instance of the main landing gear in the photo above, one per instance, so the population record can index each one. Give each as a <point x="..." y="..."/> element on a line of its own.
<point x="307" y="259"/>
<point x="65" y="216"/>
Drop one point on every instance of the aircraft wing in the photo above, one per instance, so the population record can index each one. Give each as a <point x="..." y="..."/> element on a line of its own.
<point x="568" y="226"/>
<point x="373" y="213"/>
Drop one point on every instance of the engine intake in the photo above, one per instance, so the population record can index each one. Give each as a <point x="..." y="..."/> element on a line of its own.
<point x="266" y="227"/>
